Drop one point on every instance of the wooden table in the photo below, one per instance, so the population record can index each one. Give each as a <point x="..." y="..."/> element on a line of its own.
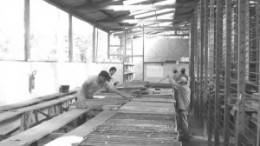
<point x="138" y="123"/>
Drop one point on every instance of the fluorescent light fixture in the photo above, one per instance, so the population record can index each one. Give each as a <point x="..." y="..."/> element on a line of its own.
<point x="130" y="2"/>
<point x="166" y="2"/>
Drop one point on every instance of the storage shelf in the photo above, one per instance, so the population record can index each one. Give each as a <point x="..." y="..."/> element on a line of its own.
<point x="130" y="64"/>
<point x="127" y="73"/>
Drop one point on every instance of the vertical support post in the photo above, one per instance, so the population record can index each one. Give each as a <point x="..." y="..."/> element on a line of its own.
<point x="219" y="34"/>
<point x="241" y="67"/>
<point x="27" y="52"/>
<point x="97" y="45"/>
<point x="70" y="39"/>
<point x="228" y="26"/>
<point x="205" y="83"/>
<point x="211" y="68"/>
<point x="195" y="62"/>
<point x="125" y="76"/>
<point x="94" y="44"/>
<point x="202" y="29"/>
<point x="192" y="54"/>
<point x="258" y="45"/>
<point x="143" y="54"/>
<point x="198" y="42"/>
<point x="108" y="45"/>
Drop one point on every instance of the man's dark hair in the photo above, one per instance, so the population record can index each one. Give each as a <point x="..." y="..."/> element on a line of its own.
<point x="105" y="75"/>
<point x="112" y="68"/>
<point x="183" y="70"/>
<point x="175" y="71"/>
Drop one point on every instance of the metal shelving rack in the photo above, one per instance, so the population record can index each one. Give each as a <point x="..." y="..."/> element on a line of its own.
<point x="128" y="66"/>
<point x="225" y="51"/>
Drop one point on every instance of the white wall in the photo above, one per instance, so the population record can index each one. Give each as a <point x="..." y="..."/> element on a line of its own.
<point x="167" y="68"/>
<point x="14" y="78"/>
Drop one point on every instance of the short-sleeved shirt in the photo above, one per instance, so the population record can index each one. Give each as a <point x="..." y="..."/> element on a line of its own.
<point x="89" y="87"/>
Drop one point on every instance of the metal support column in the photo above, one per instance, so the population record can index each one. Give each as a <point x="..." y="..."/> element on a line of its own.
<point x="241" y="68"/>
<point x="219" y="39"/>
<point x="108" y="45"/>
<point x="70" y="39"/>
<point x="143" y="55"/>
<point x="205" y="83"/>
<point x="211" y="53"/>
<point x="27" y="51"/>
<point x="202" y="29"/>
<point x="258" y="45"/>
<point x="228" y="27"/>
<point x="191" y="64"/>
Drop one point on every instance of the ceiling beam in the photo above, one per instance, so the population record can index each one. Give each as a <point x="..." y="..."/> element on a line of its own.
<point x="145" y="27"/>
<point x="137" y="21"/>
<point x="121" y="7"/>
<point x="156" y="15"/>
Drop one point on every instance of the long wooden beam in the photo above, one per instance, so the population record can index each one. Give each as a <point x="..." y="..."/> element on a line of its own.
<point x="120" y="7"/>
<point x="137" y="21"/>
<point x="147" y="27"/>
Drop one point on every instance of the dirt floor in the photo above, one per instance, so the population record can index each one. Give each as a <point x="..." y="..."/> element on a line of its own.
<point x="198" y="139"/>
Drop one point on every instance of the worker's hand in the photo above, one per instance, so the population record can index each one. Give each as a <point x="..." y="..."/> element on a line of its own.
<point x="129" y="97"/>
<point x="116" y="83"/>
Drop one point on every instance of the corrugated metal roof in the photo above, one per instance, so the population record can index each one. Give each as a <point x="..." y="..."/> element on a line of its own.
<point x="116" y="15"/>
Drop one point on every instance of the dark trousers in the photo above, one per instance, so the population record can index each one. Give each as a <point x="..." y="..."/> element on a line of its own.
<point x="182" y="121"/>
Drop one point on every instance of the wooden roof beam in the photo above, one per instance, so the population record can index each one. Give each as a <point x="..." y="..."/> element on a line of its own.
<point x="121" y="7"/>
<point x="137" y="21"/>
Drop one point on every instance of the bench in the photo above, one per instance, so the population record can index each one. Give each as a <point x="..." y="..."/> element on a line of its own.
<point x="33" y="134"/>
<point x="16" y="119"/>
<point x="34" y="101"/>
<point x="77" y="135"/>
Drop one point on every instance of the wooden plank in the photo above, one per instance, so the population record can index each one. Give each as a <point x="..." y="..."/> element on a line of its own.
<point x="8" y="126"/>
<point x="76" y="135"/>
<point x="147" y="99"/>
<point x="34" y="101"/>
<point x="149" y="108"/>
<point x="13" y="113"/>
<point x="33" y="134"/>
<point x="135" y="129"/>
<point x="99" y="103"/>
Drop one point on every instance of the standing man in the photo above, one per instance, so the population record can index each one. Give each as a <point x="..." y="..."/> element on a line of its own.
<point x="175" y="73"/>
<point x="182" y="107"/>
<point x="112" y="71"/>
<point x="183" y="74"/>
<point x="96" y="83"/>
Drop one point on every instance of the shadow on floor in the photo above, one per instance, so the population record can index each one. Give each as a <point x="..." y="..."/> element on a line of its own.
<point x="196" y="129"/>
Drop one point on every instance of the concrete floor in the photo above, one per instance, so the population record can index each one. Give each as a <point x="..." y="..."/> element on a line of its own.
<point x="196" y="129"/>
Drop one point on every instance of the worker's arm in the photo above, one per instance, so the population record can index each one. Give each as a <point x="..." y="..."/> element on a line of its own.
<point x="114" y="90"/>
<point x="174" y="83"/>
